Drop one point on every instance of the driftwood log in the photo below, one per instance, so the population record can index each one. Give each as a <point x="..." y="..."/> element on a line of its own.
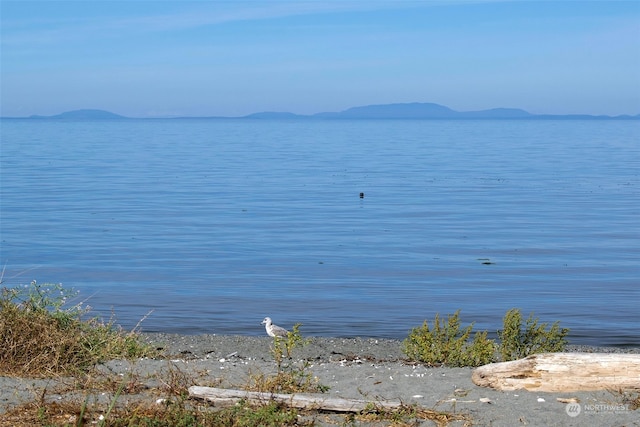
<point x="225" y="397"/>
<point x="563" y="372"/>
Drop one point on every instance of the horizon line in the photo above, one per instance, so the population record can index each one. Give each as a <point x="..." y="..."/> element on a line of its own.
<point x="327" y="114"/>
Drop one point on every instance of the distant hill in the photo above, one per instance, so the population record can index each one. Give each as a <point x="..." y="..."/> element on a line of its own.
<point x="425" y="110"/>
<point x="83" y="115"/>
<point x="274" y="115"/>
<point x="497" y="113"/>
<point x="413" y="110"/>
<point x="393" y="111"/>
<point x="417" y="110"/>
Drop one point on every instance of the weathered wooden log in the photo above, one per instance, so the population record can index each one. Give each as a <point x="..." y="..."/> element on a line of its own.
<point x="226" y="397"/>
<point x="563" y="372"/>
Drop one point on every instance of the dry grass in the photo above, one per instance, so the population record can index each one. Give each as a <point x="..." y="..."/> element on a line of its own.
<point x="39" y="338"/>
<point x="111" y="400"/>
<point x="35" y="343"/>
<point x="631" y="399"/>
<point x="169" y="409"/>
<point x="407" y="416"/>
<point x="288" y="381"/>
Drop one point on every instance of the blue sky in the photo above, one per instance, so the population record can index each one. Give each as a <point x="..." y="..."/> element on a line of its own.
<point x="145" y="58"/>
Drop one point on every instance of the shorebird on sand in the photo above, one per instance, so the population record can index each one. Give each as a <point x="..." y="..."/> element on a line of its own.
<point x="273" y="330"/>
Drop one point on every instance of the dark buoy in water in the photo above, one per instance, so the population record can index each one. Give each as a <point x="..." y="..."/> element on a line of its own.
<point x="362" y="195"/>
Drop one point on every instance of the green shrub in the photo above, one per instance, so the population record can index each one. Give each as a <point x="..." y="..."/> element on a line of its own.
<point x="446" y="343"/>
<point x="517" y="342"/>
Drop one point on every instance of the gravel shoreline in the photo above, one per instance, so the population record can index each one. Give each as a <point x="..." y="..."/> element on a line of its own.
<point x="359" y="368"/>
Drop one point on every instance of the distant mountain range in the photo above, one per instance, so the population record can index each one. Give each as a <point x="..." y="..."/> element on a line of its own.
<point x="415" y="110"/>
<point x="83" y="115"/>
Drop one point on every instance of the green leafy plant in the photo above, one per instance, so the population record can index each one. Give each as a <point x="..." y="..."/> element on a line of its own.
<point x="284" y="347"/>
<point x="446" y="343"/>
<point x="290" y="377"/>
<point x="518" y="342"/>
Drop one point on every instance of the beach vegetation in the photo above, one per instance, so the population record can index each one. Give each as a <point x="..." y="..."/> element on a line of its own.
<point x="283" y="347"/>
<point x="406" y="415"/>
<point x="630" y="399"/>
<point x="291" y="376"/>
<point x="41" y="334"/>
<point x="518" y="340"/>
<point x="45" y="335"/>
<point x="445" y="342"/>
<point x="170" y="413"/>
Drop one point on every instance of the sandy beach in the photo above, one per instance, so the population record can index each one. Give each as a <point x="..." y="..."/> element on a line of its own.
<point x="366" y="369"/>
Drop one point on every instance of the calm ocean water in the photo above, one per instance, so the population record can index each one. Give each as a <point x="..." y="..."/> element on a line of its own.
<point x="215" y="224"/>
